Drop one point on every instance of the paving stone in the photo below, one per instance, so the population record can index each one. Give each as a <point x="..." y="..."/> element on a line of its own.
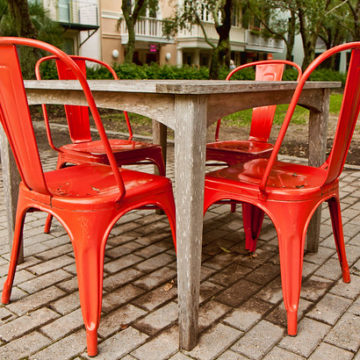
<point x="119" y="319"/>
<point x="122" y="263"/>
<point x="329" y="309"/>
<point x="119" y="279"/>
<point x="214" y="342"/>
<point x="259" y="340"/>
<point x="153" y="299"/>
<point x="230" y="355"/>
<point x="249" y="313"/>
<point x="120" y="296"/>
<point x="210" y="313"/>
<point x="329" y="352"/>
<point x="67" y="303"/>
<point x="345" y="333"/>
<point x="120" y="344"/>
<point x="350" y="290"/>
<point x="314" y="288"/>
<point x="264" y="273"/>
<point x="278" y="353"/>
<point x="64" y="349"/>
<point x="155" y="262"/>
<point x="159" y="348"/>
<point x="330" y="270"/>
<point x="51" y="265"/>
<point x="321" y="256"/>
<point x="26" y="323"/>
<point x="158" y="319"/>
<point x="230" y="275"/>
<point x="122" y="250"/>
<point x="155" y="278"/>
<point x="309" y="335"/>
<point x="237" y="293"/>
<point x="272" y="292"/>
<point x="64" y="325"/>
<point x="23" y="346"/>
<point x="44" y="281"/>
<point x="208" y="290"/>
<point x="5" y="315"/>
<point x="60" y="250"/>
<point x="35" y="301"/>
<point x="149" y="251"/>
<point x="179" y="356"/>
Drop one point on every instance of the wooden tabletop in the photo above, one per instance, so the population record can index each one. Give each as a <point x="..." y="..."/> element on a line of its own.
<point x="186" y="87"/>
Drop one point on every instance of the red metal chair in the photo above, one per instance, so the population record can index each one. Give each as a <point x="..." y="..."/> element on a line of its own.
<point x="288" y="193"/>
<point x="87" y="199"/>
<point x="238" y="151"/>
<point x="85" y="150"/>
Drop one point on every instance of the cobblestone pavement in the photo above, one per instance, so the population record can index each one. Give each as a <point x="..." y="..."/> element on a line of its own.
<point x="241" y="312"/>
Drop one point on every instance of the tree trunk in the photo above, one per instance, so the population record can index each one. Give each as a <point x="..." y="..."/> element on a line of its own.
<point x="221" y="54"/>
<point x="291" y="36"/>
<point x="130" y="46"/>
<point x="20" y="12"/>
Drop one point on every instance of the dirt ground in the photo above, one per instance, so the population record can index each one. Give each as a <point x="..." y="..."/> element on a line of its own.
<point x="295" y="142"/>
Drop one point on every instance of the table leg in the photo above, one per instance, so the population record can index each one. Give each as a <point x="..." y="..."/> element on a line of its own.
<point x="190" y="140"/>
<point x="159" y="131"/>
<point x="318" y="125"/>
<point x="11" y="179"/>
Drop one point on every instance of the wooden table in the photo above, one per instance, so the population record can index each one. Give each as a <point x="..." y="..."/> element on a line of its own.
<point x="188" y="107"/>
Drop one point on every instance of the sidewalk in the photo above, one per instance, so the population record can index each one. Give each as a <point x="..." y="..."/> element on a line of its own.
<point x="241" y="312"/>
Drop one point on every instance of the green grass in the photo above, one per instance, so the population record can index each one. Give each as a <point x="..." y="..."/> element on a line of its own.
<point x="142" y="125"/>
<point x="300" y="116"/>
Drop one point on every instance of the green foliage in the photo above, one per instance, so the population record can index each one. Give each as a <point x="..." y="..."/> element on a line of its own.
<point x="328" y="75"/>
<point x="155" y="71"/>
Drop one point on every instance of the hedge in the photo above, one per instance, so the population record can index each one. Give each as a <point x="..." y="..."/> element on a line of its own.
<point x="155" y="71"/>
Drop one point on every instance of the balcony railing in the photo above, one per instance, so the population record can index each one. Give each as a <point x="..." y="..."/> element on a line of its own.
<point x="259" y="43"/>
<point x="146" y="29"/>
<point x="74" y="12"/>
<point x="237" y="35"/>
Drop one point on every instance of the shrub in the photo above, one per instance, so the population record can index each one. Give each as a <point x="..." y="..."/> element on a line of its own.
<point x="155" y="71"/>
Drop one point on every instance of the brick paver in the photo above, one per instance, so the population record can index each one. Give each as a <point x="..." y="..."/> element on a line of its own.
<point x="241" y="314"/>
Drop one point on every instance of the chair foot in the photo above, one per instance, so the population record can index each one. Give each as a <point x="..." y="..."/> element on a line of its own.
<point x="5" y="297"/>
<point x="48" y="224"/>
<point x="292" y="323"/>
<point x="91" y="341"/>
<point x="346" y="275"/>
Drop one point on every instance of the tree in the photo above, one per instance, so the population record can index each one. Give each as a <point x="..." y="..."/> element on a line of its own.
<point x="221" y="12"/>
<point x="351" y="23"/>
<point x="132" y="10"/>
<point x="19" y="10"/>
<point x="42" y="28"/>
<point x="278" y="19"/>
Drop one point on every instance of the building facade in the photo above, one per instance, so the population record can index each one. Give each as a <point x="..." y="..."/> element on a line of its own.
<point x="187" y="47"/>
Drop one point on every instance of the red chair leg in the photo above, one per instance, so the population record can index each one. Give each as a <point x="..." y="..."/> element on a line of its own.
<point x="166" y="203"/>
<point x="291" y="239"/>
<point x="252" y="218"/>
<point x="88" y="235"/>
<point x="159" y="162"/>
<point x="19" y="223"/>
<point x="233" y="206"/>
<point x="335" y="214"/>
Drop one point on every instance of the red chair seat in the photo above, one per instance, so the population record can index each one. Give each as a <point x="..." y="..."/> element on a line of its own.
<point x="283" y="176"/>
<point x="98" y="184"/>
<point x="117" y="145"/>
<point x="241" y="146"/>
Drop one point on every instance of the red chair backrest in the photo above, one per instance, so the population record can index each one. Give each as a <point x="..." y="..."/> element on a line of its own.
<point x="76" y="116"/>
<point x="16" y="120"/>
<point x="262" y="117"/>
<point x="347" y="118"/>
